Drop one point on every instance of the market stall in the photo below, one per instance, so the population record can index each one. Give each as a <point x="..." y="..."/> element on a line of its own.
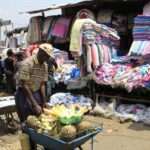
<point x="89" y="43"/>
<point x="131" y="72"/>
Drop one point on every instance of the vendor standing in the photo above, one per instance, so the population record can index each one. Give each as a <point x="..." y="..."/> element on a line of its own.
<point x="32" y="75"/>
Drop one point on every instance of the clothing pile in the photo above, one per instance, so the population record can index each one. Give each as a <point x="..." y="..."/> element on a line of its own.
<point x="60" y="56"/>
<point x="135" y="112"/>
<point x="66" y="72"/>
<point x="125" y="76"/>
<point x="68" y="98"/>
<point x="108" y="108"/>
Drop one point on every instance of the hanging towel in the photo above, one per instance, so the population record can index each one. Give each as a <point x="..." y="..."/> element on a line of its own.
<point x="101" y="53"/>
<point x="76" y="36"/>
<point x="95" y="56"/>
<point x="89" y="59"/>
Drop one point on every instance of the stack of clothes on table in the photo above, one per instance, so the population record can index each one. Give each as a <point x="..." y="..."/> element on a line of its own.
<point x="141" y="36"/>
<point x="68" y="98"/>
<point x="125" y="76"/>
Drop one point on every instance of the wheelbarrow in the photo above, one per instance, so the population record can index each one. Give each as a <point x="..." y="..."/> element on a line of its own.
<point x="52" y="143"/>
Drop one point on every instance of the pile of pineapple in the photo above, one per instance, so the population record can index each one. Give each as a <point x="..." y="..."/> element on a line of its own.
<point x="65" y="122"/>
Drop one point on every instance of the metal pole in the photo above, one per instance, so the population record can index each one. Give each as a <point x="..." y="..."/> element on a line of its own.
<point x="92" y="143"/>
<point x="0" y="33"/>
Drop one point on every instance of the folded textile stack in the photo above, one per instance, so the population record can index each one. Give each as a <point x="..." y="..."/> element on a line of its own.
<point x="141" y="36"/>
<point x="141" y="30"/>
<point x="106" y="73"/>
<point x="123" y="76"/>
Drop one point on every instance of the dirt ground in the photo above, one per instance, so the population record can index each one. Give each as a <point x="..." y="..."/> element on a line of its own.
<point x="115" y="136"/>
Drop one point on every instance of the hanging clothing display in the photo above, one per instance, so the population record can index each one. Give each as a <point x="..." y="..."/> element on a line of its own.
<point x="46" y="27"/>
<point x="76" y="36"/>
<point x="95" y="41"/>
<point x="61" y="27"/>
<point x="35" y="29"/>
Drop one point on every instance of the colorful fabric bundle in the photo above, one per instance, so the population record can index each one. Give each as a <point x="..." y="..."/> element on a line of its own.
<point x="105" y="73"/>
<point x="123" y="76"/>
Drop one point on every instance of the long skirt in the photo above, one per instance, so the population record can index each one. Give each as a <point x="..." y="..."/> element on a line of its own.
<point x="23" y="108"/>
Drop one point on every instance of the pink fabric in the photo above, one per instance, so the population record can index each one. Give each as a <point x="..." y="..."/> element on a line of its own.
<point x="95" y="56"/>
<point x="89" y="58"/>
<point x="61" y="27"/>
<point x="106" y="53"/>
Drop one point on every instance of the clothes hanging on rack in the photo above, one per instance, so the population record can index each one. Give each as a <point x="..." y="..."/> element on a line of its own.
<point x="35" y="29"/>
<point x="47" y="26"/>
<point x="99" y="42"/>
<point x="61" y="27"/>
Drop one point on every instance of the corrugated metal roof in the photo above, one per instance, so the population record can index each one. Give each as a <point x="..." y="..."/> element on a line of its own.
<point x="80" y="2"/>
<point x="18" y="30"/>
<point x="60" y="6"/>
